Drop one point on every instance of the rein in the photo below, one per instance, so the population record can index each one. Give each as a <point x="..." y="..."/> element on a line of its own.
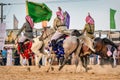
<point x="48" y="35"/>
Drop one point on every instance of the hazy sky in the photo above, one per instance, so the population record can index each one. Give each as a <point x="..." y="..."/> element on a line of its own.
<point x="78" y="10"/>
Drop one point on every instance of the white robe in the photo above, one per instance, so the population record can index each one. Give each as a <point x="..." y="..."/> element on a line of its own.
<point x="56" y="35"/>
<point x="9" y="57"/>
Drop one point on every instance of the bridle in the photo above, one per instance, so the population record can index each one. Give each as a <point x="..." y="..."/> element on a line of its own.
<point x="47" y="35"/>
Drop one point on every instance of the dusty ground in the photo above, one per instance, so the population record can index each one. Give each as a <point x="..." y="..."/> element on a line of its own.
<point x="67" y="73"/>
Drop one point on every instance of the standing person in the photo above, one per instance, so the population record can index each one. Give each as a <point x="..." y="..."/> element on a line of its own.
<point x="4" y="55"/>
<point x="89" y="27"/>
<point x="16" y="58"/>
<point x="28" y="35"/>
<point x="1" y="63"/>
<point x="9" y="57"/>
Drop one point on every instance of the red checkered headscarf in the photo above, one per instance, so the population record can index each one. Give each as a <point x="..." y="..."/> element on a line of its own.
<point x="89" y="20"/>
<point x="29" y="19"/>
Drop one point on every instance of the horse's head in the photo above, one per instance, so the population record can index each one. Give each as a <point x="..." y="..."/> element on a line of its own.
<point x="100" y="47"/>
<point x="97" y="43"/>
<point x="47" y="33"/>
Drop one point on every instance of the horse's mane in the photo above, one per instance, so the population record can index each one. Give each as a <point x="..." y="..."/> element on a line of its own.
<point x="76" y="33"/>
<point x="107" y="41"/>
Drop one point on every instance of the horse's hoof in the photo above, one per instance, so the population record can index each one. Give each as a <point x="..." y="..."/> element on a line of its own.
<point x="114" y="66"/>
<point x="89" y="68"/>
<point x="47" y="71"/>
<point x="39" y="66"/>
<point x="28" y="69"/>
<point x="52" y="68"/>
<point x="60" y="68"/>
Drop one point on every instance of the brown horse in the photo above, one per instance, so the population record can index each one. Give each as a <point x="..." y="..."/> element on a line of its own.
<point x="106" y="49"/>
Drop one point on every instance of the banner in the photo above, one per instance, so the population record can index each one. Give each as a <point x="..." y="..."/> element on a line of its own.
<point x="112" y="20"/>
<point x="15" y="22"/>
<point x="2" y="35"/>
<point x="67" y="19"/>
<point x="38" y="11"/>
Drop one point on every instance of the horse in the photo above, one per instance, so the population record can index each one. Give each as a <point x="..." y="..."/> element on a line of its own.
<point x="106" y="49"/>
<point x="39" y="45"/>
<point x="81" y="46"/>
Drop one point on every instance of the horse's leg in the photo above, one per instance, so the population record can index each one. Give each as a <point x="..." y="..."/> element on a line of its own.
<point x="38" y="56"/>
<point x="113" y="60"/>
<point x="76" y="62"/>
<point x="98" y="60"/>
<point x="36" y="60"/>
<point x="52" y="56"/>
<point x="21" y="60"/>
<point x="84" y="61"/>
<point x="27" y="61"/>
<point x="64" y="62"/>
<point x="32" y="61"/>
<point x="61" y="59"/>
<point x="102" y="61"/>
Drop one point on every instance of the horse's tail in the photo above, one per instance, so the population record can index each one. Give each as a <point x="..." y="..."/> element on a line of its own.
<point x="76" y="49"/>
<point x="107" y="41"/>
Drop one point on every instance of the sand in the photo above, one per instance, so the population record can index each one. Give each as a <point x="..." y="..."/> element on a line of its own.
<point x="96" y="72"/>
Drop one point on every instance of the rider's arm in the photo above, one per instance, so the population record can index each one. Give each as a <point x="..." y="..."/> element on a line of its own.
<point x="55" y="24"/>
<point x="83" y="31"/>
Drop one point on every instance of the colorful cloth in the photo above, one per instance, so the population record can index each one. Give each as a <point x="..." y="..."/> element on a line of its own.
<point x="67" y="19"/>
<point x="29" y="19"/>
<point x="56" y="35"/>
<point x="60" y="52"/>
<point x="89" y="20"/>
<point x="60" y="14"/>
<point x="4" y="53"/>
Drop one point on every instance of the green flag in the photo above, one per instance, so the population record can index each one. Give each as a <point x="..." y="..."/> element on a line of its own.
<point x="38" y="11"/>
<point x="112" y="20"/>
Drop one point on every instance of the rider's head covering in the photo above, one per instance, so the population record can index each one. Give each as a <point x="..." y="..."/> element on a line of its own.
<point x="89" y="19"/>
<point x="29" y="19"/>
<point x="60" y="13"/>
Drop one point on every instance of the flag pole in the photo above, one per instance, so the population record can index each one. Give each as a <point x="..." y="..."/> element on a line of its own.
<point x="26" y="7"/>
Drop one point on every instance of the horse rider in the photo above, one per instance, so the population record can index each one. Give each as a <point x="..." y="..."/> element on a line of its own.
<point x="28" y="34"/>
<point x="59" y="20"/>
<point x="89" y="27"/>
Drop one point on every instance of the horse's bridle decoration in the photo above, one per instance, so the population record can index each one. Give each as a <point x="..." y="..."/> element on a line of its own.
<point x="47" y="35"/>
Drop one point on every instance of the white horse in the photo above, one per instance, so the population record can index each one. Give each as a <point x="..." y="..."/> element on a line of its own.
<point x="80" y="45"/>
<point x="40" y="43"/>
